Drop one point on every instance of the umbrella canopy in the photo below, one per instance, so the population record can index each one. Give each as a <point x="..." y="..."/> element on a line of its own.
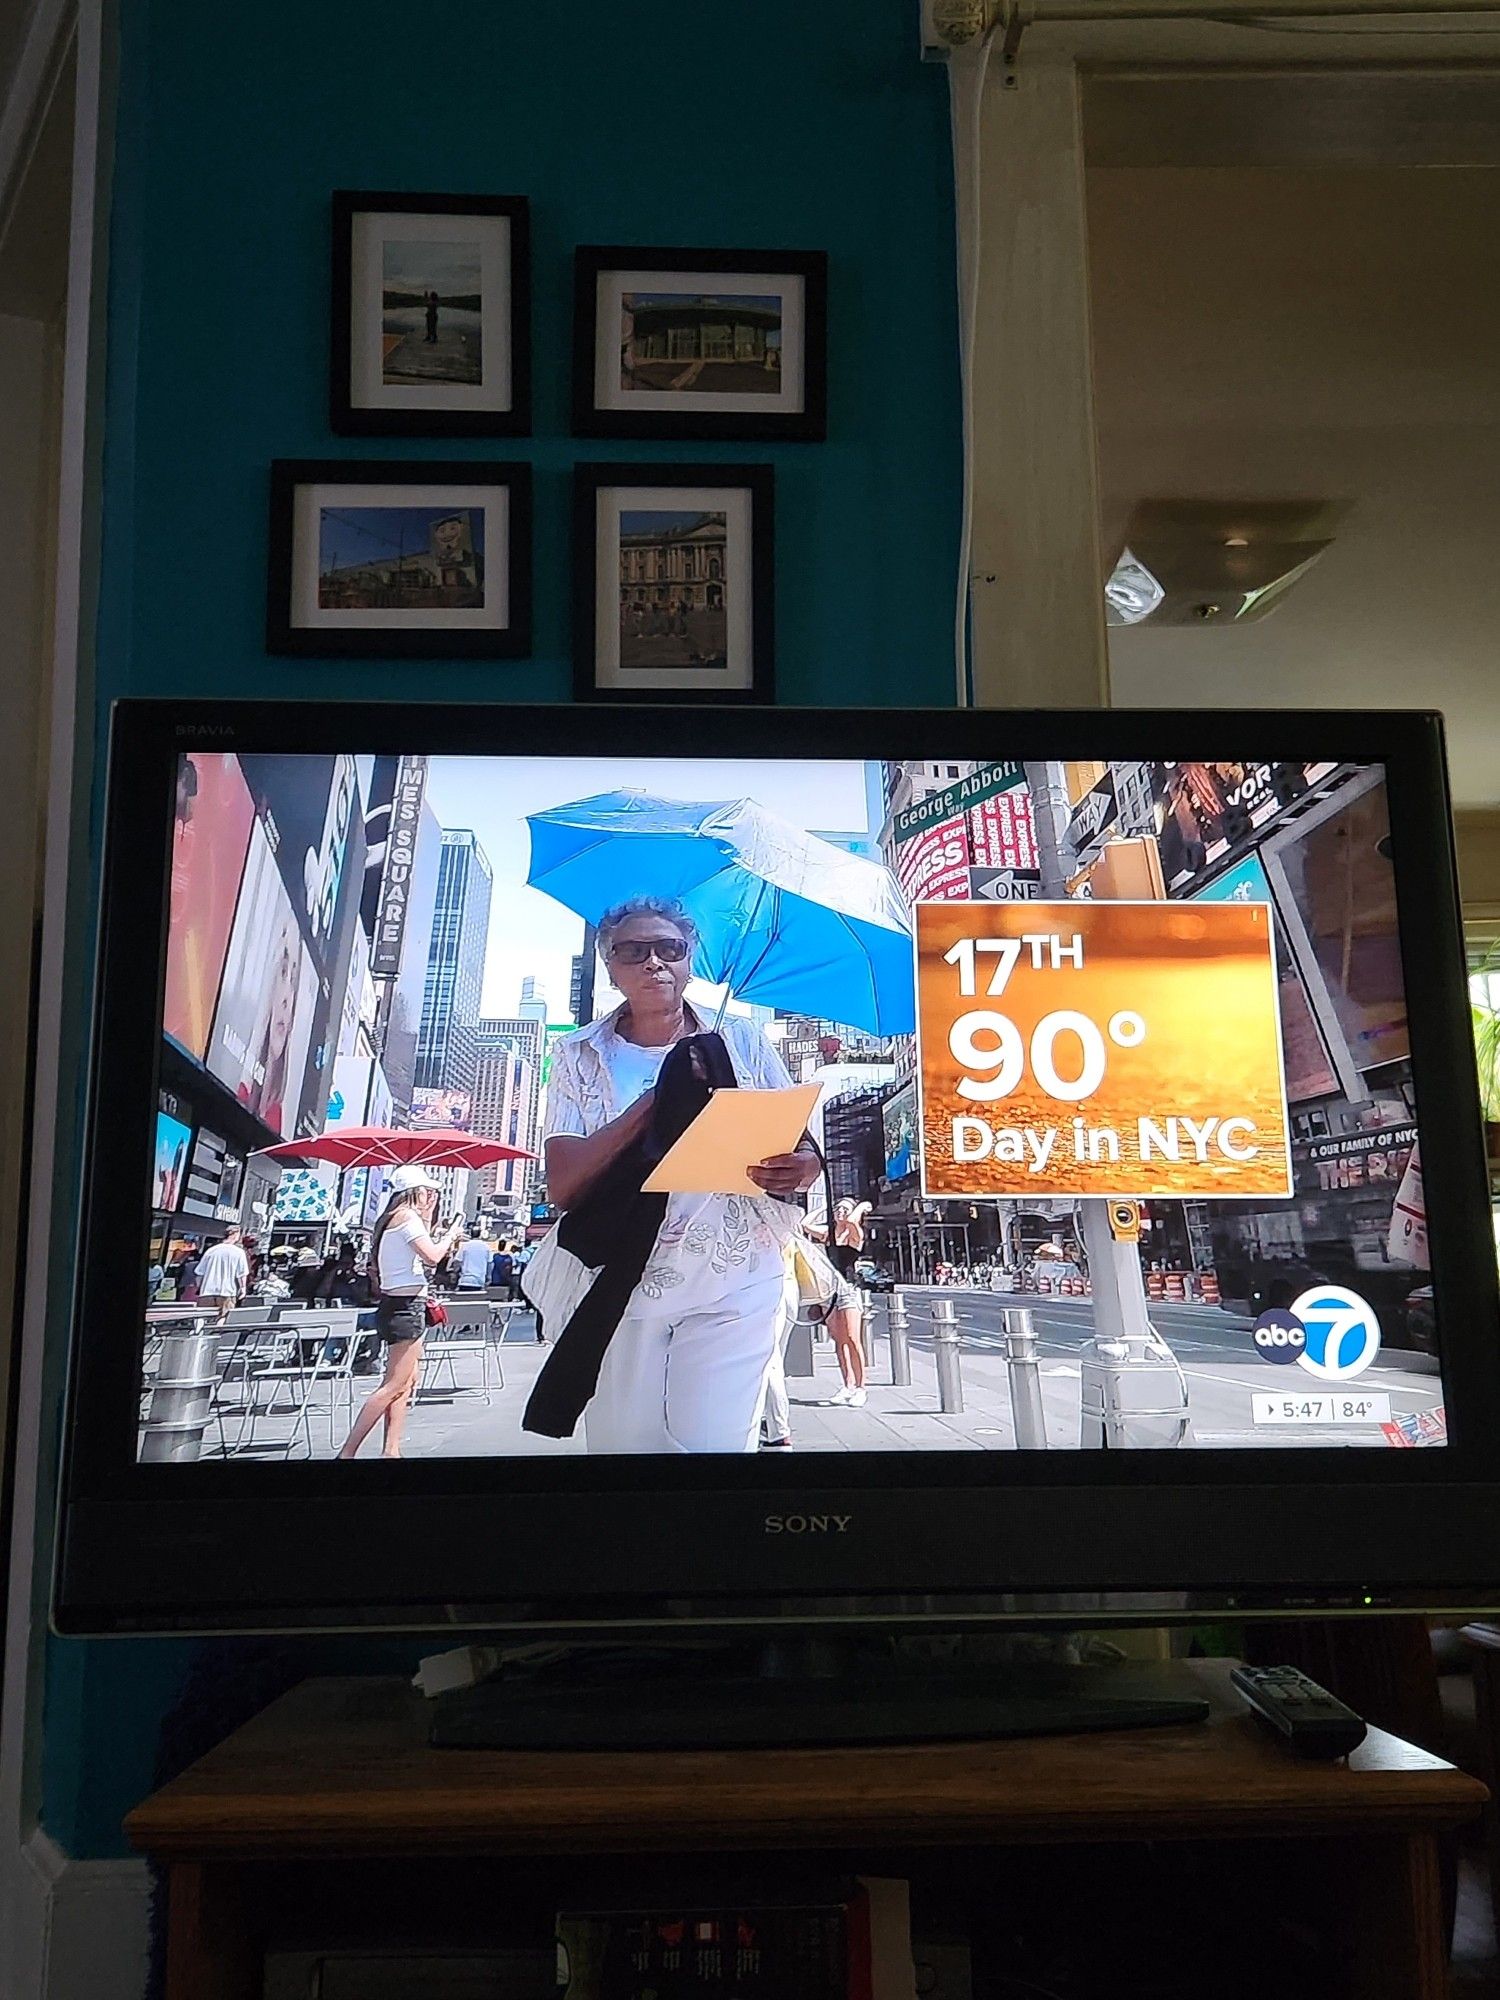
<point x="383" y="1146"/>
<point x="783" y="917"/>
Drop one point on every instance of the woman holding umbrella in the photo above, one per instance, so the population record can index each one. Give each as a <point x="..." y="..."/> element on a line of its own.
<point x="685" y="1370"/>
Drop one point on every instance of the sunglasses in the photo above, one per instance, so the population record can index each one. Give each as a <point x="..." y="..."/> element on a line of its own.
<point x="635" y="951"/>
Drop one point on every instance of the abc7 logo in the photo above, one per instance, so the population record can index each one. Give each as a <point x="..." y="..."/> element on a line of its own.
<point x="1279" y="1336"/>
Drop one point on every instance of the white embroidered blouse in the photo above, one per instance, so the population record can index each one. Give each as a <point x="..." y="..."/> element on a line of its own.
<point x="707" y="1244"/>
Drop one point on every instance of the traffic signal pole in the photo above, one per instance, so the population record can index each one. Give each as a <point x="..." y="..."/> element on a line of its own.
<point x="1123" y="1333"/>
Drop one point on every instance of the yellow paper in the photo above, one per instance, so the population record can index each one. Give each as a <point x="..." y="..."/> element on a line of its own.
<point x="736" y="1129"/>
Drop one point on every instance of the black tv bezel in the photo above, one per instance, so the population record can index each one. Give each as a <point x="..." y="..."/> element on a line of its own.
<point x="215" y="1546"/>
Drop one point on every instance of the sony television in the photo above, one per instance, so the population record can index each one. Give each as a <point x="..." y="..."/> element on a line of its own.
<point x="1136" y="1047"/>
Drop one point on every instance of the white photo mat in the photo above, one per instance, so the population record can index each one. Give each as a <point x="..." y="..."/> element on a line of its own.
<point x="370" y="231"/>
<point x="609" y="305"/>
<point x="306" y="614"/>
<point x="736" y="504"/>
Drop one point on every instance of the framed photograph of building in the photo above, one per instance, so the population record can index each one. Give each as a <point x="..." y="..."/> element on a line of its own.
<point x="700" y="343"/>
<point x="400" y="559"/>
<point x="431" y="316"/>
<point x="674" y="594"/>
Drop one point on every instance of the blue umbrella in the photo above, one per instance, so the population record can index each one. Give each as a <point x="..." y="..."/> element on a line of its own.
<point x="783" y="918"/>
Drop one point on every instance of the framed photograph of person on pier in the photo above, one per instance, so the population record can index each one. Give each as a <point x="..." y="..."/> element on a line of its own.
<point x="402" y="559"/>
<point x="674" y="593"/>
<point x="697" y="344"/>
<point x="431" y="316"/>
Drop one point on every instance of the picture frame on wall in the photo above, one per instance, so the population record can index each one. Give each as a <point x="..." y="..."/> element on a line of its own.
<point x="674" y="584"/>
<point x="431" y="315"/>
<point x="699" y="344"/>
<point x="399" y="559"/>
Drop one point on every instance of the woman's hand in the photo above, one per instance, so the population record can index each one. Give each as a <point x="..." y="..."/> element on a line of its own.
<point x="786" y="1175"/>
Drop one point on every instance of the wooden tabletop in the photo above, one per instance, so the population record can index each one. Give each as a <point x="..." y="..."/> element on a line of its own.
<point x="344" y="1766"/>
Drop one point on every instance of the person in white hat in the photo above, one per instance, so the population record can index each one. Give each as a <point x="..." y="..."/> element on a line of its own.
<point x="402" y="1252"/>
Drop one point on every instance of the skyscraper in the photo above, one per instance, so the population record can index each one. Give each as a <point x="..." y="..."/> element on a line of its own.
<point x="581" y="979"/>
<point x="447" y="1043"/>
<point x="508" y="1098"/>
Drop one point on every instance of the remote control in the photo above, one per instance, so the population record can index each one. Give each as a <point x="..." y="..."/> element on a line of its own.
<point x="1307" y="1718"/>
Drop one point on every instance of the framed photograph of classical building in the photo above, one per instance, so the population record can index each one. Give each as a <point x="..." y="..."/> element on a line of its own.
<point x="674" y="595"/>
<point x="400" y="559"/>
<point x="431" y="316"/>
<point x="700" y="343"/>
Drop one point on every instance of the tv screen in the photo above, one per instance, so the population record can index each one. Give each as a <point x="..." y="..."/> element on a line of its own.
<point x="1130" y="1086"/>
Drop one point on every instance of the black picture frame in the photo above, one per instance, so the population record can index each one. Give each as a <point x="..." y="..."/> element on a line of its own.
<point x="806" y="423"/>
<point x="504" y="642"/>
<point x="759" y="481"/>
<point x="356" y="419"/>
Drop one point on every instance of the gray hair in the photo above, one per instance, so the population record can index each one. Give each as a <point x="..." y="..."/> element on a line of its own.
<point x="666" y="907"/>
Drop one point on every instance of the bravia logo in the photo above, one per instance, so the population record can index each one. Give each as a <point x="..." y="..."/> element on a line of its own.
<point x="203" y="729"/>
<point x="808" y="1524"/>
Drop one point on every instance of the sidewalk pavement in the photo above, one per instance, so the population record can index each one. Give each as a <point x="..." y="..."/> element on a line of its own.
<point x="458" y="1423"/>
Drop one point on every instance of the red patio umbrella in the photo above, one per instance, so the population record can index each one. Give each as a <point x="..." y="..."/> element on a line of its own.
<point x="384" y="1146"/>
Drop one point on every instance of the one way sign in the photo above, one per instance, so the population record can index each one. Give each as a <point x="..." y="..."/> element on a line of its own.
<point x="1005" y="885"/>
<point x="1096" y="810"/>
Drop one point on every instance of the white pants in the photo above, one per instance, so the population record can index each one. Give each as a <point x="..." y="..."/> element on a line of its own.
<point x="778" y="1404"/>
<point x="687" y="1376"/>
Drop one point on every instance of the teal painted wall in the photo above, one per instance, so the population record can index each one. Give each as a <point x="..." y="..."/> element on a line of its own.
<point x="777" y="123"/>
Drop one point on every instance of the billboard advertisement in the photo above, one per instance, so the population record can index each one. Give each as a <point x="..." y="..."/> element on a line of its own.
<point x="170" y="1166"/>
<point x="210" y="834"/>
<point x="1109" y="1049"/>
<point x="448" y="1108"/>
<point x="268" y="1001"/>
<point x="287" y="962"/>
<point x="898" y="1118"/>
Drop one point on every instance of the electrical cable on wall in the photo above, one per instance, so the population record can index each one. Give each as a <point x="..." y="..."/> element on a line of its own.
<point x="968" y="67"/>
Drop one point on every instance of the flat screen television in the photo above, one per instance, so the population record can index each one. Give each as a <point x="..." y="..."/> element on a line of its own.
<point x="1145" y="1090"/>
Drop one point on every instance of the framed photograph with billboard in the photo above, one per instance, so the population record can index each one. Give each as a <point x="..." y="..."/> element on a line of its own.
<point x="674" y="595"/>
<point x="696" y="344"/>
<point x="400" y="559"/>
<point x="431" y="316"/>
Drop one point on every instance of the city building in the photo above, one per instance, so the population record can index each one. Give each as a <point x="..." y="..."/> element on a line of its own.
<point x="533" y="1005"/>
<point x="581" y="978"/>
<point x="447" y="1042"/>
<point x="508" y="1097"/>
<point x="854" y="1144"/>
<point x="685" y="563"/>
<point x="704" y="334"/>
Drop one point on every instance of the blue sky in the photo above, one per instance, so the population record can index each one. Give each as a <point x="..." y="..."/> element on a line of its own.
<point x="374" y="534"/>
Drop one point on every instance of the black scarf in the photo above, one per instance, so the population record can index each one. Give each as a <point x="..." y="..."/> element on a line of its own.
<point x="614" y="1228"/>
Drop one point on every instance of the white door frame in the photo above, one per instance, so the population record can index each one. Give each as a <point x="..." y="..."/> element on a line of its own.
<point x="31" y="1865"/>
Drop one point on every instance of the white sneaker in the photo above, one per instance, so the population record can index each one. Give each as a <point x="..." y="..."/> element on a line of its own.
<point x="855" y="1398"/>
<point x="841" y="1395"/>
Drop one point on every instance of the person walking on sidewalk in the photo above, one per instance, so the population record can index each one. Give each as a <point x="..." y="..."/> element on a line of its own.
<point x="402" y="1252"/>
<point x="223" y="1274"/>
<point x="685" y="1366"/>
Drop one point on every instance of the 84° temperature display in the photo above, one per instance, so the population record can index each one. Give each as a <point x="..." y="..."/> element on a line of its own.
<point x="1344" y="1409"/>
<point x="1112" y="1049"/>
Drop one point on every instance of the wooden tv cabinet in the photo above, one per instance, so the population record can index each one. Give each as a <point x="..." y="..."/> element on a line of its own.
<point x="330" y="1818"/>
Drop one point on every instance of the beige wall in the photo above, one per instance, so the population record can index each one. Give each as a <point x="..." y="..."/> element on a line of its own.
<point x="1324" y="334"/>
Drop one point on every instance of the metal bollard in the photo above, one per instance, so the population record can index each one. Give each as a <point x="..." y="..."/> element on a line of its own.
<point x="1024" y="1370"/>
<point x="897" y="1331"/>
<point x="181" y="1398"/>
<point x="945" y="1351"/>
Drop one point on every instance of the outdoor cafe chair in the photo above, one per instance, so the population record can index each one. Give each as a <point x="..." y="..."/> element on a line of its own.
<point x="470" y="1331"/>
<point x="297" y="1359"/>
